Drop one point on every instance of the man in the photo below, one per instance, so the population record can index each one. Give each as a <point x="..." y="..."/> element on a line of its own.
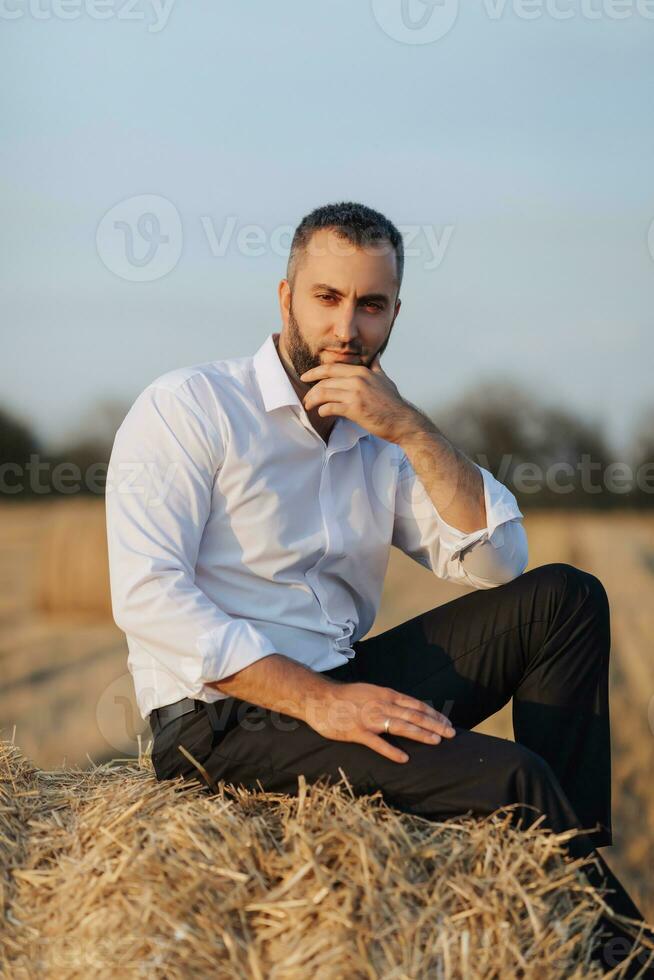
<point x="247" y="556"/>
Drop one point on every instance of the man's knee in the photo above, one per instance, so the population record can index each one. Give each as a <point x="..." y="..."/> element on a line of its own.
<point x="498" y="773"/>
<point x="528" y="777"/>
<point x="525" y="762"/>
<point x="563" y="578"/>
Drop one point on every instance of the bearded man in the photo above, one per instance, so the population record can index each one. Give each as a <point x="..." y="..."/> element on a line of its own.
<point x="248" y="556"/>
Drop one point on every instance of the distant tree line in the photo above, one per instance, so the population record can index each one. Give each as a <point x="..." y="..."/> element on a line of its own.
<point x="547" y="456"/>
<point x="29" y="470"/>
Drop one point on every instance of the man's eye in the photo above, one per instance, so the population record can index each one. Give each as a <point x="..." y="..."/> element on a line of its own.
<point x="375" y="306"/>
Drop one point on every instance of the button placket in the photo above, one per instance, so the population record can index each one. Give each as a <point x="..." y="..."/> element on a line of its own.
<point x="312" y="572"/>
<point x="337" y="542"/>
<point x="333" y="536"/>
<point x="330" y="536"/>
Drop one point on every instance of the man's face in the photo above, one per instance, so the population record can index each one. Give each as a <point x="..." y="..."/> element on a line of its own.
<point x="343" y="300"/>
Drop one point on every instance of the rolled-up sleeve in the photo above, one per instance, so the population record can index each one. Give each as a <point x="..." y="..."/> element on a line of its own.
<point x="160" y="479"/>
<point x="483" y="558"/>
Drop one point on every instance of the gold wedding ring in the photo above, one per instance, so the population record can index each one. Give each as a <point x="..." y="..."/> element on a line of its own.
<point x="387" y="725"/>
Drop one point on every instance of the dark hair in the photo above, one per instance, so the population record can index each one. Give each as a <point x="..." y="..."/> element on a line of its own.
<point x="357" y="223"/>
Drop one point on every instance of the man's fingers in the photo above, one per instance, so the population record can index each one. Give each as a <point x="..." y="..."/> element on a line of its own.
<point x="414" y="724"/>
<point x="335" y="369"/>
<point x="414" y="704"/>
<point x="418" y="719"/>
<point x="400" y="726"/>
<point x="332" y="408"/>
<point x="331" y="384"/>
<point x="385" y="748"/>
<point x="331" y="392"/>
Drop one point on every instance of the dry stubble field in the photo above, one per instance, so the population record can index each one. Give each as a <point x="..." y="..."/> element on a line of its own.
<point x="65" y="687"/>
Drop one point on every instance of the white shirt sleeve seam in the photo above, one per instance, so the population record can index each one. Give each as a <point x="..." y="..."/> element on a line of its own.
<point x="192" y="407"/>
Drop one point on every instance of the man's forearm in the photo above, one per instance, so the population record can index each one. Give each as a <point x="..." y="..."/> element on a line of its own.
<point x="279" y="683"/>
<point x="453" y="482"/>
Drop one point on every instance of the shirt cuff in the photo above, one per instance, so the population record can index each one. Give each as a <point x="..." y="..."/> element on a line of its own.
<point x="501" y="506"/>
<point x="228" y="648"/>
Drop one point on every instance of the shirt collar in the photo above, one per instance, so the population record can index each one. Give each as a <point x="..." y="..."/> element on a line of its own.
<point x="277" y="390"/>
<point x="274" y="382"/>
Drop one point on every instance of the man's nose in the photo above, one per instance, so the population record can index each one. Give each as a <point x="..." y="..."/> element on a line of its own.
<point x="345" y="328"/>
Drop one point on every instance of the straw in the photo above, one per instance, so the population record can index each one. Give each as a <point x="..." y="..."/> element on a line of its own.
<point x="107" y="872"/>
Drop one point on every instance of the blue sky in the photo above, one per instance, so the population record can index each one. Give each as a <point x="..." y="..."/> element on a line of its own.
<point x="525" y="145"/>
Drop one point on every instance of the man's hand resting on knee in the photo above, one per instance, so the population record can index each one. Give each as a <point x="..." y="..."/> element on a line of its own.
<point x="344" y="712"/>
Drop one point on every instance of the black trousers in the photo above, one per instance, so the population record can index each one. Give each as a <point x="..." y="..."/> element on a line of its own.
<point x="542" y="639"/>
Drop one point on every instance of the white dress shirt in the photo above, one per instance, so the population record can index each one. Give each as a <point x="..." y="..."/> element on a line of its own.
<point x="235" y="532"/>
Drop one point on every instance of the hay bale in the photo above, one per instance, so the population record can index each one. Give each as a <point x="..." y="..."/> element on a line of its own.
<point x="72" y="570"/>
<point x="116" y="874"/>
<point x="16" y="779"/>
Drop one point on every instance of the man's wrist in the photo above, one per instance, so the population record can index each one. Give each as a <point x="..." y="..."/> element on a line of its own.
<point x="413" y="424"/>
<point x="297" y="688"/>
<point x="410" y="422"/>
<point x="316" y="696"/>
<point x="321" y="706"/>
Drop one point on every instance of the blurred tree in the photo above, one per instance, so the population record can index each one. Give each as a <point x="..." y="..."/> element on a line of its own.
<point x="642" y="458"/>
<point x="78" y="464"/>
<point x="97" y="426"/>
<point x="80" y="461"/>
<point x="17" y="443"/>
<point x="546" y="455"/>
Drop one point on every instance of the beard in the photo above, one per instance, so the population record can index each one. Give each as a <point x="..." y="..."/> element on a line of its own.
<point x="303" y="358"/>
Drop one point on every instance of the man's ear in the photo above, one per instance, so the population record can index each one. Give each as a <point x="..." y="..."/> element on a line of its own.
<point x="284" y="296"/>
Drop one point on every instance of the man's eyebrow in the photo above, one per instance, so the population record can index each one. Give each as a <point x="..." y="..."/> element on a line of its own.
<point x="333" y="289"/>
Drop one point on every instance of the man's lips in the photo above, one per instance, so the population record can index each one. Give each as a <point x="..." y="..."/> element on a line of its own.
<point x="344" y="355"/>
